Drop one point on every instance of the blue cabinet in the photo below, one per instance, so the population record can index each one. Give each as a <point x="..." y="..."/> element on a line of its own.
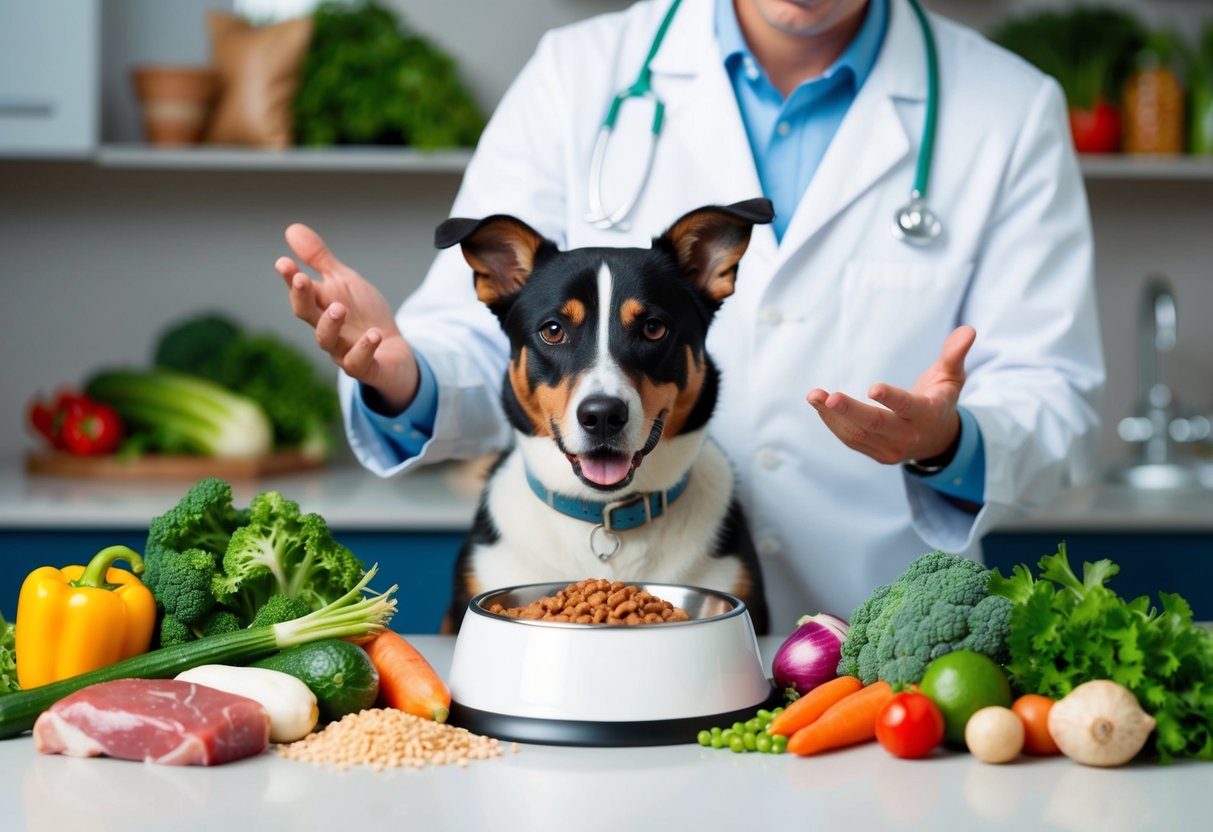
<point x="1149" y="561"/>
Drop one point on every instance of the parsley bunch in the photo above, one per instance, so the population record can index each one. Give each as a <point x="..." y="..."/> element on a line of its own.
<point x="1066" y="631"/>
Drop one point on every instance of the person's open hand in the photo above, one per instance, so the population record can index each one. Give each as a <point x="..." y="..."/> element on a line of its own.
<point x="919" y="423"/>
<point x="353" y="321"/>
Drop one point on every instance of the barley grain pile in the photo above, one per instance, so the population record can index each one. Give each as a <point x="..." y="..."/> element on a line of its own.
<point x="387" y="738"/>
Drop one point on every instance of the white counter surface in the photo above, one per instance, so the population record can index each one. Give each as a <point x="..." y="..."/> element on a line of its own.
<point x="667" y="788"/>
<point x="443" y="498"/>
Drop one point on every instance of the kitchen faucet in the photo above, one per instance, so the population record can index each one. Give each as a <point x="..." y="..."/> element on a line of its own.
<point x="1155" y="426"/>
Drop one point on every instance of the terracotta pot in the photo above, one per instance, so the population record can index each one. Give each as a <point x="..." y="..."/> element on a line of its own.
<point x="175" y="102"/>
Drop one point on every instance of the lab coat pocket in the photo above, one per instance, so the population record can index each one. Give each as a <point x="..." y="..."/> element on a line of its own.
<point x="895" y="316"/>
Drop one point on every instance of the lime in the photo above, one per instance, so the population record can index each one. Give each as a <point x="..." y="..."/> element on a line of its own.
<point x="961" y="684"/>
<point x="338" y="672"/>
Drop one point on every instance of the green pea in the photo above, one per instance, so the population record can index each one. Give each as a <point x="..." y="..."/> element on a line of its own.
<point x="717" y="742"/>
<point x="737" y="744"/>
<point x="777" y="711"/>
<point x="738" y="727"/>
<point x="715" y="730"/>
<point x="779" y="744"/>
<point x="749" y="740"/>
<point x="763" y="743"/>
<point x="704" y="737"/>
<point x="764" y="714"/>
<point x="753" y="725"/>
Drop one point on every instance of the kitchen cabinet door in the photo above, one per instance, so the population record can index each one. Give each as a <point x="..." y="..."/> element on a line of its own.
<point x="49" y="62"/>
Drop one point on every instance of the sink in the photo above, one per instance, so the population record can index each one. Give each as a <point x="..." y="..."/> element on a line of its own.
<point x="1162" y="476"/>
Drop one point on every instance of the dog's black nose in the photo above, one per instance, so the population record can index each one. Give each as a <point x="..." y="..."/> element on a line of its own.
<point x="602" y="416"/>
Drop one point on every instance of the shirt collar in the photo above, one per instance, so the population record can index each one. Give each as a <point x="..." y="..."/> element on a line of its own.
<point x="858" y="58"/>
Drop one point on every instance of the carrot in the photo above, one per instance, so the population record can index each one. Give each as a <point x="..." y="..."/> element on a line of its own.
<point x="813" y="704"/>
<point x="849" y="721"/>
<point x="407" y="681"/>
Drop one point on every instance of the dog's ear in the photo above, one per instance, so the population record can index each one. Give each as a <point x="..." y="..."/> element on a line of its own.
<point x="710" y="241"/>
<point x="500" y="249"/>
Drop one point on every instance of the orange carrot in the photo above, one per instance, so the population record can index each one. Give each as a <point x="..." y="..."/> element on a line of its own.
<point x="849" y="721"/>
<point x="407" y="681"/>
<point x="812" y="705"/>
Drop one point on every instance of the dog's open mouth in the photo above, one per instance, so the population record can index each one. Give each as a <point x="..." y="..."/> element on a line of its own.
<point x="606" y="469"/>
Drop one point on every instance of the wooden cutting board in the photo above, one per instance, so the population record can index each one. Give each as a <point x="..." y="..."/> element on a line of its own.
<point x="166" y="467"/>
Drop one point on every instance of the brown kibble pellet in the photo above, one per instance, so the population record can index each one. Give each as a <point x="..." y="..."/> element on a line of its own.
<point x="598" y="601"/>
<point x="387" y="738"/>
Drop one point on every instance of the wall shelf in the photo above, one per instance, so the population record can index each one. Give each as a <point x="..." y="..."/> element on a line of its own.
<point x="353" y="159"/>
<point x="133" y="156"/>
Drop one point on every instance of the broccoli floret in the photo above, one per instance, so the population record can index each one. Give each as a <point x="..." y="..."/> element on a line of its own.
<point x="281" y="551"/>
<point x="280" y="608"/>
<point x="204" y="518"/>
<point x="183" y="587"/>
<point x="196" y="345"/>
<point x="218" y="623"/>
<point x="939" y="604"/>
<point x="174" y="632"/>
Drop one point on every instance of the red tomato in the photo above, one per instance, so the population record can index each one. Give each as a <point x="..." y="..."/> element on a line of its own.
<point x="97" y="430"/>
<point x="1033" y="711"/>
<point x="1096" y="130"/>
<point x="909" y="725"/>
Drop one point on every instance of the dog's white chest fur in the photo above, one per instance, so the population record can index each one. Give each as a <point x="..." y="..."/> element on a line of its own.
<point x="539" y="544"/>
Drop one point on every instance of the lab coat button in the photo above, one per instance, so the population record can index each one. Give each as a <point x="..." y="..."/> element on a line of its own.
<point x="398" y="428"/>
<point x="769" y="458"/>
<point x="767" y="546"/>
<point x="771" y="316"/>
<point x="783" y="128"/>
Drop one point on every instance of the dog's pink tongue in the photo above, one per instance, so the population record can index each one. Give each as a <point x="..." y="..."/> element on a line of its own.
<point x="606" y="470"/>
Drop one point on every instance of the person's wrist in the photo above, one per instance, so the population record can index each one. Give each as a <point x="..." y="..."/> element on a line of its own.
<point x="394" y="399"/>
<point x="934" y="464"/>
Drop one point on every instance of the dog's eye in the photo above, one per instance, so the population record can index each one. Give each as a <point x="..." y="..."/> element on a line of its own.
<point x="552" y="332"/>
<point x="654" y="330"/>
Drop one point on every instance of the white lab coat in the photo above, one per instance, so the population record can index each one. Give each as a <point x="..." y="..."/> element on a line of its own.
<point x="838" y="304"/>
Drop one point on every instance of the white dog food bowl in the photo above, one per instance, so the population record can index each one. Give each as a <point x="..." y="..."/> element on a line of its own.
<point x="606" y="685"/>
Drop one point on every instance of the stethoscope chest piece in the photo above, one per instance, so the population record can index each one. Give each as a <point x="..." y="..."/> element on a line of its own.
<point x="915" y="223"/>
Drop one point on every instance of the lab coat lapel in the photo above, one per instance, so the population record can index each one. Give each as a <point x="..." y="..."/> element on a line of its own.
<point x="702" y="114"/>
<point x="872" y="138"/>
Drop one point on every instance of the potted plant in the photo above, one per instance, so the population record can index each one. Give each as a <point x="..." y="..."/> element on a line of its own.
<point x="367" y="80"/>
<point x="1089" y="50"/>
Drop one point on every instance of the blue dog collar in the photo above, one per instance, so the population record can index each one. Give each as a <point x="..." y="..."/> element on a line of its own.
<point x="615" y="516"/>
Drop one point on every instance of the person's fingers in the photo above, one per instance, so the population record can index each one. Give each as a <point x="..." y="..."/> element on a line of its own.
<point x="286" y="267"/>
<point x="955" y="347"/>
<point x="309" y="248"/>
<point x="899" y="401"/>
<point x="361" y="356"/>
<point x="303" y="298"/>
<point x="328" y="330"/>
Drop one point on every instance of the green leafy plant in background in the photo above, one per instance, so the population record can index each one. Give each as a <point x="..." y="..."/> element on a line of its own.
<point x="8" y="658"/>
<point x="1089" y="50"/>
<point x="368" y="80"/>
<point x="1200" y="80"/>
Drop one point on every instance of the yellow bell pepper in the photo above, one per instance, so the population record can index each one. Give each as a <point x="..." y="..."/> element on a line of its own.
<point x="81" y="618"/>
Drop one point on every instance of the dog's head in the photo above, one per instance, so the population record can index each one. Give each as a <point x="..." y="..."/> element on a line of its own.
<point x="607" y="344"/>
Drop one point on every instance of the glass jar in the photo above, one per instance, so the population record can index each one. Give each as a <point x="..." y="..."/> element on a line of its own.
<point x="1153" y="104"/>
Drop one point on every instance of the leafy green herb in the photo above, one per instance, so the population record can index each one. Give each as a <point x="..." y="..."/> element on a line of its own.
<point x="8" y="658"/>
<point x="1089" y="50"/>
<point x="1066" y="631"/>
<point x="367" y="80"/>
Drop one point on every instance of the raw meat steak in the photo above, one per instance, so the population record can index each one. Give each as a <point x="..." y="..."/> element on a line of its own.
<point x="157" y="721"/>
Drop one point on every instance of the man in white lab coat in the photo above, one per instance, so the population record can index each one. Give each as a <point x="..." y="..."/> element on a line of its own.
<point x="878" y="399"/>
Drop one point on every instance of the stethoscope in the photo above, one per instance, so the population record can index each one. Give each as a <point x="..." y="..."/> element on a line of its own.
<point x="914" y="223"/>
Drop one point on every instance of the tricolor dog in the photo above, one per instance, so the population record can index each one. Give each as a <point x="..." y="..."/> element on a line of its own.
<point x="609" y="390"/>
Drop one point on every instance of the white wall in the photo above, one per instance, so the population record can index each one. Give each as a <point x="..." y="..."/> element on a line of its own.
<point x="95" y="261"/>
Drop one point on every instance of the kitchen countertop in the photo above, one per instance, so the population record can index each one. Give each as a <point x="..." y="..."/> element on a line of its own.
<point x="670" y="787"/>
<point x="443" y="498"/>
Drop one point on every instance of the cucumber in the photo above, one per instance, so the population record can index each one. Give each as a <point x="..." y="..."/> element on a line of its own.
<point x="338" y="672"/>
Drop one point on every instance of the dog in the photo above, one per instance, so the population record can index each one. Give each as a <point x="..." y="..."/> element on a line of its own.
<point x="609" y="390"/>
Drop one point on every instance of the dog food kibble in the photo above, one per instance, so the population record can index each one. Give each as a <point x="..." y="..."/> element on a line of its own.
<point x="598" y="601"/>
<point x="387" y="738"/>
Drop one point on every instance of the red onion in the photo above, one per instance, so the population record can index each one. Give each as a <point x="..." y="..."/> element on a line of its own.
<point x="810" y="655"/>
